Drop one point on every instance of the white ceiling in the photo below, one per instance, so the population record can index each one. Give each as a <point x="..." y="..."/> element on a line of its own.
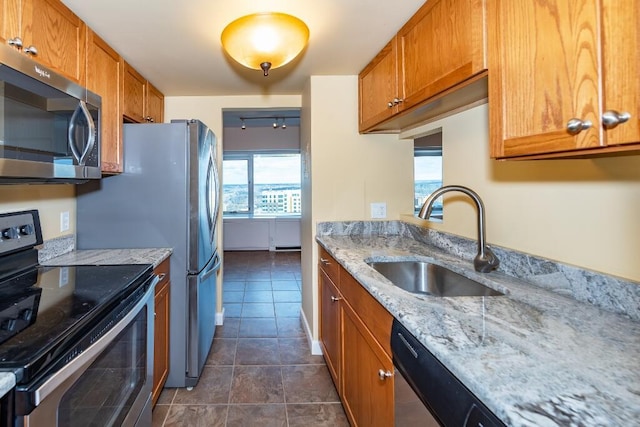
<point x="176" y="44"/>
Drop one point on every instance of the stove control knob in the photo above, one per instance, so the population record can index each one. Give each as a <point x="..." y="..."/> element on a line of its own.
<point x="26" y="314"/>
<point x="26" y="229"/>
<point x="10" y="233"/>
<point x="8" y="325"/>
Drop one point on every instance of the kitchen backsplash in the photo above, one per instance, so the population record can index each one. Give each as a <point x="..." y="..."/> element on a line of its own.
<point x="55" y="247"/>
<point x="604" y="291"/>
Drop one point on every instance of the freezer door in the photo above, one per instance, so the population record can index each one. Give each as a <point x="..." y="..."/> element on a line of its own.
<point x="201" y="318"/>
<point x="203" y="196"/>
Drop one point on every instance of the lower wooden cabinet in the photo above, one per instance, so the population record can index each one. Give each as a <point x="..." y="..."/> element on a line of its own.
<point x="355" y="337"/>
<point x="330" y="326"/>
<point x="161" y="330"/>
<point x="367" y="375"/>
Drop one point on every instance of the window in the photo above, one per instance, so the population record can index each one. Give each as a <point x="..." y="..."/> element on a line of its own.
<point x="262" y="183"/>
<point x="427" y="171"/>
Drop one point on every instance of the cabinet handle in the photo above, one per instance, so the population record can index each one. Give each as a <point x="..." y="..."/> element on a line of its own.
<point x="575" y="126"/>
<point x="31" y="50"/>
<point x="161" y="276"/>
<point x="394" y="102"/>
<point x="612" y="118"/>
<point x="149" y="119"/>
<point x="325" y="261"/>
<point x="15" y="42"/>
<point x="383" y="375"/>
<point x="335" y="299"/>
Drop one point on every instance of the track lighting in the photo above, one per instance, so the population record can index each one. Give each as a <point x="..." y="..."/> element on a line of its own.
<point x="275" y="124"/>
<point x="284" y="125"/>
<point x="243" y="127"/>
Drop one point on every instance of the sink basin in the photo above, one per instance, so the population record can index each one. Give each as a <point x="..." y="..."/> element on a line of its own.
<point x="430" y="279"/>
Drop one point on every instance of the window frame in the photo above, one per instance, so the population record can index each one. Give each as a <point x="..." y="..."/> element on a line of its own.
<point x="249" y="157"/>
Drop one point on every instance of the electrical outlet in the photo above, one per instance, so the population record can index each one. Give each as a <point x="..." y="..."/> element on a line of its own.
<point x="379" y="210"/>
<point x="64" y="221"/>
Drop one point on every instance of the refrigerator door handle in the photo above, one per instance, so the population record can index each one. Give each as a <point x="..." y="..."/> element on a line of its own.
<point x="215" y="266"/>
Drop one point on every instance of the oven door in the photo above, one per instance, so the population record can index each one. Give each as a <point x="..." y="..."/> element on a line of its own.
<point x="108" y="384"/>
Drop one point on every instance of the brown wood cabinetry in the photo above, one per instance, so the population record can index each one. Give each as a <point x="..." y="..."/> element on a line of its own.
<point x="438" y="55"/>
<point x="49" y="32"/>
<point x="330" y="322"/>
<point x="367" y="380"/>
<point x="142" y="102"/>
<point x="564" y="78"/>
<point x="161" y="330"/>
<point x="104" y="77"/>
<point x="355" y="337"/>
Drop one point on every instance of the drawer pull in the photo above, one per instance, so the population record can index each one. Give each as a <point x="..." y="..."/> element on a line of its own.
<point x="335" y="299"/>
<point x="383" y="375"/>
<point x="161" y="276"/>
<point x="325" y="261"/>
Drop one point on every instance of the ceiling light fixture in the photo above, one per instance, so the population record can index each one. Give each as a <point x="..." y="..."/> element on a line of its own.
<point x="263" y="41"/>
<point x="243" y="125"/>
<point x="275" y="124"/>
<point x="284" y="125"/>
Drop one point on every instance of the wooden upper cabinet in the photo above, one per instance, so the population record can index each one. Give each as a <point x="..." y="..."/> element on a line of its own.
<point x="378" y="87"/>
<point x="555" y="68"/>
<point x="621" y="69"/>
<point x="133" y="94"/>
<point x="142" y="101"/>
<point x="104" y="77"/>
<point x="57" y="35"/>
<point x="441" y="46"/>
<point x="435" y="65"/>
<point x="155" y="105"/>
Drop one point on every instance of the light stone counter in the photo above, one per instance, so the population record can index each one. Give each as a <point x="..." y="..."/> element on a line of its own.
<point x="152" y="256"/>
<point x="7" y="382"/>
<point x="534" y="357"/>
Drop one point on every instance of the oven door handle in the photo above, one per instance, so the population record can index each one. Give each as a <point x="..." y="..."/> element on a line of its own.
<point x="74" y="369"/>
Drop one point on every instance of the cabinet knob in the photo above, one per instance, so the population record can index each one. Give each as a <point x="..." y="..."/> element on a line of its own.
<point x="15" y="42"/>
<point x="335" y="299"/>
<point x="383" y="375"/>
<point x="149" y="119"/>
<point x="390" y="104"/>
<point x="575" y="126"/>
<point x="325" y="261"/>
<point x="612" y="118"/>
<point x="397" y="101"/>
<point x="31" y="50"/>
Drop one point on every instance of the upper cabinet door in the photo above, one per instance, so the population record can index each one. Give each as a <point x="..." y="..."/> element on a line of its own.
<point x="441" y="46"/>
<point x="621" y="70"/>
<point x="104" y="77"/>
<point x="378" y="87"/>
<point x="155" y="105"/>
<point x="134" y="94"/>
<point x="57" y="35"/>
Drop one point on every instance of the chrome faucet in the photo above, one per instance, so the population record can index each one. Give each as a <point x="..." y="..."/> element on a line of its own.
<point x="486" y="260"/>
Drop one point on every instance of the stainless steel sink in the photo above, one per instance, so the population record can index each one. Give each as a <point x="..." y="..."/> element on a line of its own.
<point x="430" y="279"/>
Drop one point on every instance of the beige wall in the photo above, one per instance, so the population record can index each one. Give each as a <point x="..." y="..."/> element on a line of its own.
<point x="209" y="110"/>
<point x="50" y="200"/>
<point x="343" y="171"/>
<point x="580" y="212"/>
<point x="273" y="139"/>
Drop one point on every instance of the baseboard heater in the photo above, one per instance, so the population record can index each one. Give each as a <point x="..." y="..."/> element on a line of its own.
<point x="287" y="248"/>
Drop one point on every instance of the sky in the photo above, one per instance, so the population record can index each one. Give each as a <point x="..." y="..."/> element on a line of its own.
<point x="428" y="168"/>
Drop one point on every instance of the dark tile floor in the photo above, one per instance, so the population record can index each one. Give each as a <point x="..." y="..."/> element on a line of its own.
<point x="260" y="371"/>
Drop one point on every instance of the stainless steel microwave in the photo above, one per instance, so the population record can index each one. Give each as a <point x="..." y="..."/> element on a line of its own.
<point x="49" y="125"/>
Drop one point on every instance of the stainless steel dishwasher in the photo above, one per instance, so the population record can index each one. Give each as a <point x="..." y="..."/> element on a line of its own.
<point x="426" y="393"/>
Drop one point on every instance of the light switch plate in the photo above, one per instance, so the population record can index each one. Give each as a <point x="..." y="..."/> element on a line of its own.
<point x="64" y="221"/>
<point x="378" y="210"/>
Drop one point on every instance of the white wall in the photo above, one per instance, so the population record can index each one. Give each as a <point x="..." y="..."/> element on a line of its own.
<point x="254" y="138"/>
<point x="343" y="171"/>
<point x="264" y="234"/>
<point x="583" y="212"/>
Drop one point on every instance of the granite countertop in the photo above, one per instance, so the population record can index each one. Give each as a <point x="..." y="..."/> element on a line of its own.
<point x="7" y="382"/>
<point x="534" y="357"/>
<point x="152" y="256"/>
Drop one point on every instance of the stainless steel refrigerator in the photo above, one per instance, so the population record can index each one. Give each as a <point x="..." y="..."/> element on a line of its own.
<point x="167" y="196"/>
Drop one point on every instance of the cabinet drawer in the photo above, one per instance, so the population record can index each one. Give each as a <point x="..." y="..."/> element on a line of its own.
<point x="330" y="266"/>
<point x="163" y="271"/>
<point x="371" y="312"/>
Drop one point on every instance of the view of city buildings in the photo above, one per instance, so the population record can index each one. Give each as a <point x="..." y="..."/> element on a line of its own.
<point x="268" y="199"/>
<point x="422" y="191"/>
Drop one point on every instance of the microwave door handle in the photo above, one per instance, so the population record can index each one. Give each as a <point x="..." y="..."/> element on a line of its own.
<point x="91" y="138"/>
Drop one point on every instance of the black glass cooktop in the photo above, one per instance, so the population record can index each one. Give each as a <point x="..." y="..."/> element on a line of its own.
<point x="43" y="309"/>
